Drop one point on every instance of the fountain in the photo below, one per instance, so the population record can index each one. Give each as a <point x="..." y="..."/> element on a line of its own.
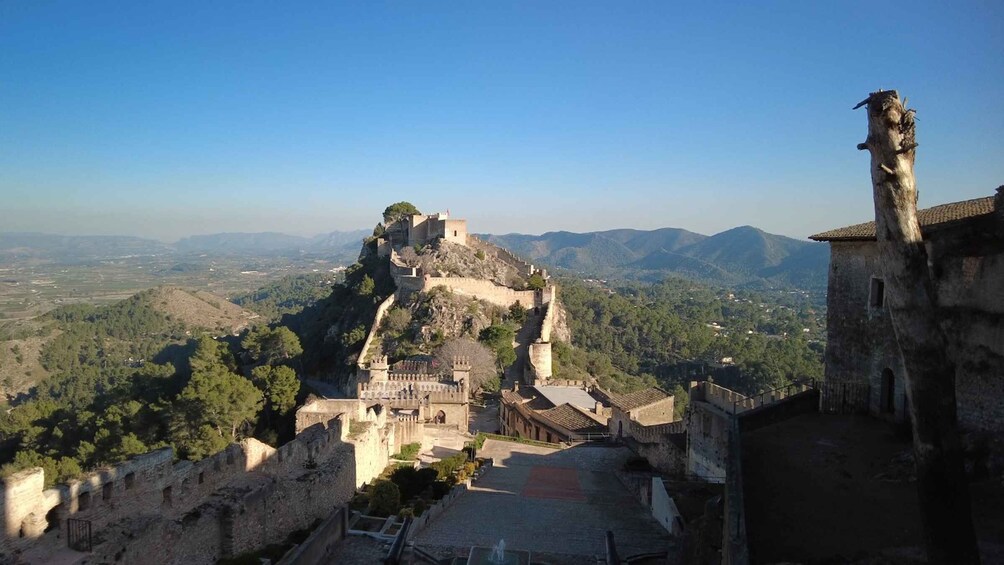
<point x="498" y="555"/>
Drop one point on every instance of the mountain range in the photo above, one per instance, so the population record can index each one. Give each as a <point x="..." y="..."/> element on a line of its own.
<point x="744" y="256"/>
<point x="740" y="256"/>
<point x="343" y="245"/>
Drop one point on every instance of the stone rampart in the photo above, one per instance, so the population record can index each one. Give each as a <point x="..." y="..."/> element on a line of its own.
<point x="504" y="255"/>
<point x="236" y="501"/>
<point x="722" y="398"/>
<point x="374" y="330"/>
<point x="656" y="433"/>
<point x="480" y="289"/>
<point x="149" y="485"/>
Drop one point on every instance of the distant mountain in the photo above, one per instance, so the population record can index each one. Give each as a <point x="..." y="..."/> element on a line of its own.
<point x="338" y="245"/>
<point x="241" y="243"/>
<point x="740" y="256"/>
<point x="20" y="246"/>
<point x="272" y="242"/>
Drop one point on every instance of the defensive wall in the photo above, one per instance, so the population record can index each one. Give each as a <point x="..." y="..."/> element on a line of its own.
<point x="374" y="330"/>
<point x="245" y="497"/>
<point x="716" y="421"/>
<point x="504" y="255"/>
<point x="472" y="287"/>
<point x="664" y="446"/>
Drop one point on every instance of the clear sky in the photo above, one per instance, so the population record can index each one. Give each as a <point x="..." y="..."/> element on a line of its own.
<point x="166" y="119"/>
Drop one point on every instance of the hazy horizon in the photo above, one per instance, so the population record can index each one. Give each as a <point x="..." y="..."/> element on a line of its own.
<point x="189" y="119"/>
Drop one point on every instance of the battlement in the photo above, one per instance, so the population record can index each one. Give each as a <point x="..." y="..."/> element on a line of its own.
<point x="656" y="433"/>
<point x="150" y="484"/>
<point x="720" y="397"/>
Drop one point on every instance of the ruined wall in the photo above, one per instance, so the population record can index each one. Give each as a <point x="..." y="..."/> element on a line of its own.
<point x="322" y="410"/>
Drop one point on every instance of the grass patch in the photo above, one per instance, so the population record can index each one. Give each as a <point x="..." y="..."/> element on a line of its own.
<point x="409" y="452"/>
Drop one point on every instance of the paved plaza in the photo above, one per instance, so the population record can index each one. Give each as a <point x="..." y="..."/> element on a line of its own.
<point x="548" y="501"/>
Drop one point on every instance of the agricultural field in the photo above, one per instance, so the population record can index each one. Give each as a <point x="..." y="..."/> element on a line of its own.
<point x="31" y="287"/>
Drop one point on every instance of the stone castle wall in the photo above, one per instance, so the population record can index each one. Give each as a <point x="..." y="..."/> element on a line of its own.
<point x="153" y="509"/>
<point x="475" y="288"/>
<point x="861" y="344"/>
<point x="374" y="330"/>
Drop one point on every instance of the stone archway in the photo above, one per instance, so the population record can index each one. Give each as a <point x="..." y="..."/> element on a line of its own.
<point x="440" y="418"/>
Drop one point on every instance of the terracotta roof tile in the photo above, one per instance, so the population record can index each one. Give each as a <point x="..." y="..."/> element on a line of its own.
<point x="573" y="419"/>
<point x="639" y="398"/>
<point x="927" y="217"/>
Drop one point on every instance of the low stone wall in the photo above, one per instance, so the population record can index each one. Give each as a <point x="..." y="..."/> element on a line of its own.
<point x="419" y="523"/>
<point x="321" y="542"/>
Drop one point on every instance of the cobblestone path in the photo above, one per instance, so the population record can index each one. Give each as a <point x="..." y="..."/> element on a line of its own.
<point x="548" y="501"/>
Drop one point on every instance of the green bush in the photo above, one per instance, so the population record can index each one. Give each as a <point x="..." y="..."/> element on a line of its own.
<point x="412" y="482"/>
<point x="385" y="499"/>
<point x="409" y="452"/>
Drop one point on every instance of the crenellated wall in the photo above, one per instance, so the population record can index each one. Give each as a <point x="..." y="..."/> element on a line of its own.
<point x="151" y="509"/>
<point x="374" y="330"/>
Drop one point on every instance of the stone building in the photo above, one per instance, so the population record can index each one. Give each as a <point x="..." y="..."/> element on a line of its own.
<point x="420" y="229"/>
<point x="553" y="413"/>
<point x="965" y="246"/>
<point x="419" y="389"/>
<point x="647" y="407"/>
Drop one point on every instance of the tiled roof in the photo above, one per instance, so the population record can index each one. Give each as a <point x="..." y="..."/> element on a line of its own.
<point x="927" y="217"/>
<point x="639" y="398"/>
<point x="573" y="395"/>
<point x="572" y="419"/>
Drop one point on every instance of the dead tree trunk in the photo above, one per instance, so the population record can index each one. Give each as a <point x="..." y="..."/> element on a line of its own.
<point x="912" y="303"/>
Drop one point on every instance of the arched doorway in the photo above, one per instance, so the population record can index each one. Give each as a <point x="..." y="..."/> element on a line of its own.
<point x="440" y="418"/>
<point x="888" y="402"/>
<point x="620" y="429"/>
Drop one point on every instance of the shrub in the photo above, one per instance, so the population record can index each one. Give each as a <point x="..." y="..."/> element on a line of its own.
<point x="409" y="452"/>
<point x="419" y="507"/>
<point x="412" y="482"/>
<point x="385" y="499"/>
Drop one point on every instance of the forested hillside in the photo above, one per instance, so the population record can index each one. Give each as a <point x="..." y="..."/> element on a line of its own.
<point x="743" y="256"/>
<point x="141" y="374"/>
<point x="663" y="331"/>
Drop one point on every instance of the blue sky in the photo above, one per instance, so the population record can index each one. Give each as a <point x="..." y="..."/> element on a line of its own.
<point x="173" y="118"/>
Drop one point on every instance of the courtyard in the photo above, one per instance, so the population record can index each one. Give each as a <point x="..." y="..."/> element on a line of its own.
<point x="550" y="502"/>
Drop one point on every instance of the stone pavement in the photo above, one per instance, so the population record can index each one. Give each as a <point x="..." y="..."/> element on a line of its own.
<point x="548" y="501"/>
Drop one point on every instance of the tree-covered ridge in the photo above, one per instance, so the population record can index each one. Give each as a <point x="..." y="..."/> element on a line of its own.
<point x="126" y="378"/>
<point x="289" y="295"/>
<point x="661" y="331"/>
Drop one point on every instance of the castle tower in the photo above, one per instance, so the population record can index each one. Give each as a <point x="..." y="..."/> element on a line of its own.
<point x="379" y="369"/>
<point x="461" y="369"/>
